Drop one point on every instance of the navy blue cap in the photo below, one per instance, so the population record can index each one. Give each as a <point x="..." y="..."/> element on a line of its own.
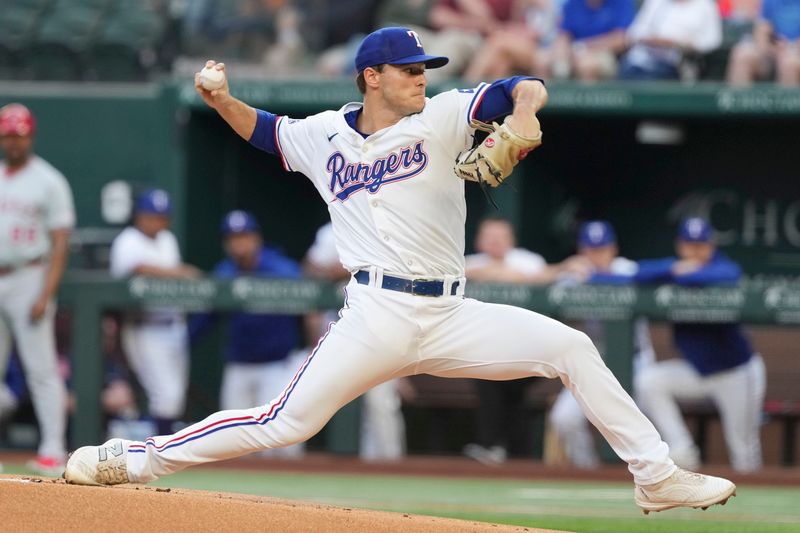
<point x="695" y="229"/>
<point x="240" y="222"/>
<point x="596" y="233"/>
<point x="155" y="201"/>
<point x="395" y="46"/>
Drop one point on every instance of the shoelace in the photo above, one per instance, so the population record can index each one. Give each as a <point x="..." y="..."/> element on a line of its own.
<point x="694" y="476"/>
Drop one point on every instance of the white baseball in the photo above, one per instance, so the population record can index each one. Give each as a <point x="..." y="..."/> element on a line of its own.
<point x="211" y="78"/>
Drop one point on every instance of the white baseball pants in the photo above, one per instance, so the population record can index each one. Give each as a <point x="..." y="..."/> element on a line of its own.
<point x="738" y="394"/>
<point x="386" y="334"/>
<point x="248" y="384"/>
<point x="159" y="356"/>
<point x="37" y="352"/>
<point x="566" y="418"/>
<point x="383" y="429"/>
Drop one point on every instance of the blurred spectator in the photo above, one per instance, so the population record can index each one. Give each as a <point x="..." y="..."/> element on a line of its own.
<point x="263" y="31"/>
<point x="517" y="46"/>
<point x="718" y="362"/>
<point x="500" y="402"/>
<point x="666" y="35"/>
<point x="773" y="49"/>
<point x="335" y="22"/>
<point x="383" y="430"/>
<point x="446" y="39"/>
<point x="340" y="25"/>
<point x="597" y="261"/>
<point x="483" y="16"/>
<point x="498" y="259"/>
<point x="739" y="10"/>
<point x="591" y="38"/>
<point x="37" y="215"/>
<point x="259" y="356"/>
<point x="155" y="340"/>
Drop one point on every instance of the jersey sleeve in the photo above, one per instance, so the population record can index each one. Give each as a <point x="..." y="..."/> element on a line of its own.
<point x="60" y="205"/>
<point x="263" y="136"/>
<point x="297" y="141"/>
<point x="288" y="138"/>
<point x="450" y="114"/>
<point x="323" y="251"/>
<point x="124" y="256"/>
<point x="717" y="272"/>
<point x="173" y="250"/>
<point x="526" y="261"/>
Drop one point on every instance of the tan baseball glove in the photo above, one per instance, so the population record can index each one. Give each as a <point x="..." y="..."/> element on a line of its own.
<point x="492" y="161"/>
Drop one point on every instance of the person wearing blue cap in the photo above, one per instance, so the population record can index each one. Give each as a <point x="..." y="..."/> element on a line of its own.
<point x="154" y="340"/>
<point x="259" y="356"/>
<point x="718" y="361"/>
<point x="388" y="170"/>
<point x="597" y="262"/>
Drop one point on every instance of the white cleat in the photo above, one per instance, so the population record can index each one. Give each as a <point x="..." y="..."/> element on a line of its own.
<point x="684" y="489"/>
<point x="106" y="464"/>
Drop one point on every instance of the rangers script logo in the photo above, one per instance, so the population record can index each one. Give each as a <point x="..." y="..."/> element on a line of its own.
<point x="349" y="178"/>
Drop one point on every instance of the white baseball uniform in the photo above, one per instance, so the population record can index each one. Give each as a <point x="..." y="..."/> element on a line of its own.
<point x="383" y="428"/>
<point x="518" y="259"/>
<point x="499" y="402"/>
<point x="566" y="416"/>
<point x="34" y="200"/>
<point x="155" y="340"/>
<point x="398" y="213"/>
<point x="738" y="394"/>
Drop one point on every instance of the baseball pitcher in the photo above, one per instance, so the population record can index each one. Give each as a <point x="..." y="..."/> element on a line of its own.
<point x="384" y="167"/>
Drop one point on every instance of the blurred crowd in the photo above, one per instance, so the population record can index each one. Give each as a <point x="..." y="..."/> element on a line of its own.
<point x="740" y="41"/>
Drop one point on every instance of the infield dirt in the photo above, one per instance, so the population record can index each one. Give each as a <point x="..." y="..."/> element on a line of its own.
<point x="44" y="504"/>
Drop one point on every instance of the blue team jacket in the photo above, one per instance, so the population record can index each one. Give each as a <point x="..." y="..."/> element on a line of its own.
<point x="710" y="348"/>
<point x="252" y="337"/>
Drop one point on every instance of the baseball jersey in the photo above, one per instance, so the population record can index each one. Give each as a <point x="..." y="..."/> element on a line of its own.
<point x="34" y="200"/>
<point x="369" y="181"/>
<point x="256" y="337"/>
<point x="709" y="348"/>
<point x="583" y="21"/>
<point x="784" y="16"/>
<point x="693" y="23"/>
<point x="323" y="250"/>
<point x="132" y="248"/>
<point x="518" y="259"/>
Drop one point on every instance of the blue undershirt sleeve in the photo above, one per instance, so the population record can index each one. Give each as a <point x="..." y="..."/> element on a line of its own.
<point x="716" y="273"/>
<point x="263" y="136"/>
<point x="497" y="101"/>
<point x="655" y="270"/>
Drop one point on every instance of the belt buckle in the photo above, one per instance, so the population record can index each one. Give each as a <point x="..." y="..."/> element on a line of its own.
<point x="414" y="288"/>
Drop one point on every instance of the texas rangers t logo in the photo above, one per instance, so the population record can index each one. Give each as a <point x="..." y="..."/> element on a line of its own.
<point x="349" y="178"/>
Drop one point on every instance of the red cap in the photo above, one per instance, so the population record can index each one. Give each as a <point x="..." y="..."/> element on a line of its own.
<point x="16" y="119"/>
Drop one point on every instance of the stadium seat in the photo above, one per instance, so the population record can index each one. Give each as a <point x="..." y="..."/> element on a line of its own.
<point x="127" y="47"/>
<point x="66" y="29"/>
<point x="18" y="25"/>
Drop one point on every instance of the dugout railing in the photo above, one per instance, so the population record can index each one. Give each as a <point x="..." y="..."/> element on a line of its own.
<point x="88" y="296"/>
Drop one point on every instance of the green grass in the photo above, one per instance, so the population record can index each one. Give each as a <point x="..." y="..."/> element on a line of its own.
<point x="565" y="505"/>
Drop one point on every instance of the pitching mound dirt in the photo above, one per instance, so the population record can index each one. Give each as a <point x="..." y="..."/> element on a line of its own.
<point x="43" y="504"/>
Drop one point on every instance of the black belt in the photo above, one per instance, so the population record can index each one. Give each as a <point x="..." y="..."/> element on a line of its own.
<point x="418" y="287"/>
